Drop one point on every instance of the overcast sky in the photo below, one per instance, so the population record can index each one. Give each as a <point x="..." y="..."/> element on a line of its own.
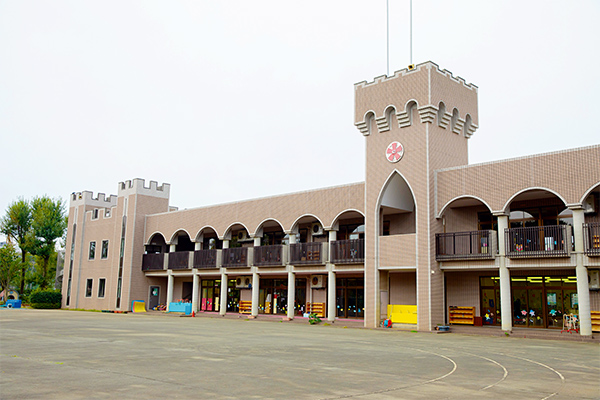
<point x="231" y="100"/>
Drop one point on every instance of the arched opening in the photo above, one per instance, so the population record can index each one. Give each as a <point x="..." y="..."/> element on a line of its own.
<point x="397" y="208"/>
<point x="390" y="117"/>
<point x="270" y="251"/>
<point x="182" y="241"/>
<point x="370" y="122"/>
<point x="441" y="113"/>
<point x="591" y="226"/>
<point x="154" y="253"/>
<point x="467" y="126"/>
<point x="411" y="110"/>
<point x="209" y="239"/>
<point x="454" y="120"/>
<point x="156" y="245"/>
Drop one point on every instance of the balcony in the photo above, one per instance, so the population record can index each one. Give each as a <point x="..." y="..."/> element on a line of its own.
<point x="153" y="262"/>
<point x="179" y="260"/>
<point x="306" y="253"/>
<point x="472" y="245"/>
<point x="205" y="258"/>
<point x="348" y="251"/>
<point x="591" y="239"/>
<point x="265" y="256"/>
<point x="538" y="241"/>
<point x="236" y="257"/>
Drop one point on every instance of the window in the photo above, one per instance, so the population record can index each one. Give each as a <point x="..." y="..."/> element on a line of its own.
<point x="95" y="214"/>
<point x="104" y="249"/>
<point x="101" y="287"/>
<point x="92" y="250"/>
<point x="88" y="288"/>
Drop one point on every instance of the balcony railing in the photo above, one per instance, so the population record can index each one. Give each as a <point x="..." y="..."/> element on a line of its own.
<point x="236" y="257"/>
<point x="306" y="253"/>
<point x="205" y="258"/>
<point x="348" y="251"/>
<point x="591" y="239"/>
<point x="465" y="245"/>
<point x="152" y="262"/>
<point x="179" y="260"/>
<point x="268" y="255"/>
<point x="538" y="241"/>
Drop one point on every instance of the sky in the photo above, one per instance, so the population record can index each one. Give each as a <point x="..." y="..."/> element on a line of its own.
<point x="233" y="100"/>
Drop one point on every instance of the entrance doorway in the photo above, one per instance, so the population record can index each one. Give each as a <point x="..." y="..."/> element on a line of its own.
<point x="154" y="300"/>
<point x="350" y="297"/>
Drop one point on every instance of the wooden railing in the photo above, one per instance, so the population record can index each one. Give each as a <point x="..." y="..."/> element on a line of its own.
<point x="591" y="239"/>
<point x="152" y="262"/>
<point x="306" y="253"/>
<point x="465" y="245"/>
<point x="268" y="255"/>
<point x="538" y="241"/>
<point x="179" y="260"/>
<point x="205" y="258"/>
<point x="348" y="251"/>
<point x="236" y="257"/>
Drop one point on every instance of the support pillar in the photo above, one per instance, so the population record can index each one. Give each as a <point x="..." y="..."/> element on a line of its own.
<point x="291" y="295"/>
<point x="223" y="294"/>
<point x="169" y="290"/>
<point x="583" y="289"/>
<point x="332" y="238"/>
<point x="331" y="303"/>
<point x="198" y="246"/>
<point x="195" y="292"/>
<point x="505" y="292"/>
<point x="172" y="248"/>
<point x="255" y="292"/>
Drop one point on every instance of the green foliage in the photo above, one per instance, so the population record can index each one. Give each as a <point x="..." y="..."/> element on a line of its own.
<point x="313" y="319"/>
<point x="16" y="224"/>
<point x="9" y="266"/>
<point x="45" y="299"/>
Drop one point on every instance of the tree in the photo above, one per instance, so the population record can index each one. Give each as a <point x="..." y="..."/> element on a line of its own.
<point x="9" y="266"/>
<point x="48" y="224"/>
<point x="16" y="224"/>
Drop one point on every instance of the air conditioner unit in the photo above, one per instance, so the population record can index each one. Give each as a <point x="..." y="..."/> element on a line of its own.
<point x="242" y="236"/>
<point x="594" y="279"/>
<point x="589" y="205"/>
<point x="243" y="282"/>
<point x="316" y="229"/>
<point x="317" y="282"/>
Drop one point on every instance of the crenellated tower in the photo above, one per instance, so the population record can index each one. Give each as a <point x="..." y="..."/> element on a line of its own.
<point x="414" y="122"/>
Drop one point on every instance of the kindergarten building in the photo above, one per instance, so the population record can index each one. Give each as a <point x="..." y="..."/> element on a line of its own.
<point x="425" y="240"/>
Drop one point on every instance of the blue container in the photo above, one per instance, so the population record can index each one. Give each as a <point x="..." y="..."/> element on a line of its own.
<point x="12" y="303"/>
<point x="181" y="307"/>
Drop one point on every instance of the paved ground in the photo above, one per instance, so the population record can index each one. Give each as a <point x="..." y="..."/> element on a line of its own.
<point x="83" y="355"/>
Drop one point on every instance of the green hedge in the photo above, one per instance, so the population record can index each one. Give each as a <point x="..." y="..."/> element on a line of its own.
<point x="46" y="299"/>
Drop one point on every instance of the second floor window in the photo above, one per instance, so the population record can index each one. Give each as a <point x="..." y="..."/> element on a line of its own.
<point x="92" y="250"/>
<point x="104" y="253"/>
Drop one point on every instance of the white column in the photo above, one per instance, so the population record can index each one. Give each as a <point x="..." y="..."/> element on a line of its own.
<point x="255" y="292"/>
<point x="257" y="241"/>
<point x="332" y="238"/>
<point x="195" y="292"/>
<point x="583" y="289"/>
<point x="223" y="294"/>
<point x="198" y="246"/>
<point x="291" y="294"/>
<point x="169" y="290"/>
<point x="331" y="303"/>
<point x="292" y="237"/>
<point x="226" y="243"/>
<point x="505" y="293"/>
<point x="172" y="248"/>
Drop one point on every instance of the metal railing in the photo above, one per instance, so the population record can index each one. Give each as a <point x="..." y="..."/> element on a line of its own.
<point x="538" y="241"/>
<point x="591" y="238"/>
<point x="205" y="258"/>
<point x="179" y="260"/>
<point x="235" y="257"/>
<point x="465" y="245"/>
<point x="268" y="255"/>
<point x="152" y="262"/>
<point x="306" y="253"/>
<point x="348" y="251"/>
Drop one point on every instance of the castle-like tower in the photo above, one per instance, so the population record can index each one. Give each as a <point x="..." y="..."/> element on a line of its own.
<point x="414" y="122"/>
<point x="105" y="245"/>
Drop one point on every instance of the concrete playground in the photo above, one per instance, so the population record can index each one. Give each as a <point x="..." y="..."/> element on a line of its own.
<point x="57" y="354"/>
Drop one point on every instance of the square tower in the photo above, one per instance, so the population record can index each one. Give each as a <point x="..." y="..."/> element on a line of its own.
<point x="414" y="123"/>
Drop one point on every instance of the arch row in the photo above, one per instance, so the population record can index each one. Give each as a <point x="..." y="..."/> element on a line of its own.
<point x="392" y="117"/>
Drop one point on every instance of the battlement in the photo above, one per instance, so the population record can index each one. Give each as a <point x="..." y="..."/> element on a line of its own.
<point x="404" y="72"/>
<point x="87" y="198"/>
<point x="137" y="186"/>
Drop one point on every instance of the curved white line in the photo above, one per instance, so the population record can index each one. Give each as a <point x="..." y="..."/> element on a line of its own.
<point x="562" y="378"/>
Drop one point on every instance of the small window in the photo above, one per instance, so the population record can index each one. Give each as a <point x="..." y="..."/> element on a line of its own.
<point x="104" y="253"/>
<point x="92" y="250"/>
<point x="101" y="287"/>
<point x="88" y="288"/>
<point x="95" y="213"/>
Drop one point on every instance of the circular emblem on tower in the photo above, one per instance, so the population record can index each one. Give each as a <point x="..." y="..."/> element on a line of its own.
<point x="394" y="152"/>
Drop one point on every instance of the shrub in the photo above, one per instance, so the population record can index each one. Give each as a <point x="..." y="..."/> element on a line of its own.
<point x="45" y="299"/>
